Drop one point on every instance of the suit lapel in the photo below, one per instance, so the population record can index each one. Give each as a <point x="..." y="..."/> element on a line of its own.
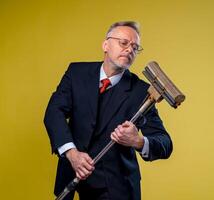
<point x="92" y="88"/>
<point x="120" y="94"/>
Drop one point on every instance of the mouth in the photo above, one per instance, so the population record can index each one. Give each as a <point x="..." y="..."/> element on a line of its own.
<point x="125" y="57"/>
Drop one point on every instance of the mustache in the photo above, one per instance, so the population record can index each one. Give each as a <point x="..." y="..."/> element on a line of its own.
<point x="129" y="56"/>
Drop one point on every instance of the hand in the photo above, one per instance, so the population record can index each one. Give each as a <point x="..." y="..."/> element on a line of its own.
<point x="81" y="162"/>
<point x="127" y="135"/>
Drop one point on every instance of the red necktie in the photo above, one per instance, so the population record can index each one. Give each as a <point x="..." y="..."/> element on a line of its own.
<point x="106" y="82"/>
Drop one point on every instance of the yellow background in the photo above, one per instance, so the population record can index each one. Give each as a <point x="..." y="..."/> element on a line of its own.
<point x="38" y="39"/>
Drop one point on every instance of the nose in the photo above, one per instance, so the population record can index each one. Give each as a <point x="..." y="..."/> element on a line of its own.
<point x="129" y="48"/>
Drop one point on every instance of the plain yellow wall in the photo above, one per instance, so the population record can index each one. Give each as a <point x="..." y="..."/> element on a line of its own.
<point x="38" y="39"/>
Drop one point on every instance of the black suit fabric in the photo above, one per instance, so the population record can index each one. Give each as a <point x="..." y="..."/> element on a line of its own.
<point x="78" y="113"/>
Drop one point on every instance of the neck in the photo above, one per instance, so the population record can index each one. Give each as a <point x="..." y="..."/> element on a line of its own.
<point x="111" y="70"/>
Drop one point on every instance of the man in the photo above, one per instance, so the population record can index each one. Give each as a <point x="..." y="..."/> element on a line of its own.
<point x="90" y="107"/>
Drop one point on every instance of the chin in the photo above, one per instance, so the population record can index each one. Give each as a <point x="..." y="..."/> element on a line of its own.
<point x="121" y="65"/>
<point x="124" y="65"/>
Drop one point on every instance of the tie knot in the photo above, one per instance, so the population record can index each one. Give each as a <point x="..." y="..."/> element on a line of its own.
<point x="106" y="82"/>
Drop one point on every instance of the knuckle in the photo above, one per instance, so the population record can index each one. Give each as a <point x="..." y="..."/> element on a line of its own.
<point x="84" y="155"/>
<point x="120" y="134"/>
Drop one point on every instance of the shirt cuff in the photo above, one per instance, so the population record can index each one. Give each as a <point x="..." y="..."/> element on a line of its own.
<point x="145" y="151"/>
<point x="66" y="147"/>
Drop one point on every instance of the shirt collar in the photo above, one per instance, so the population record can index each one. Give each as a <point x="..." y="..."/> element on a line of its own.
<point x="113" y="79"/>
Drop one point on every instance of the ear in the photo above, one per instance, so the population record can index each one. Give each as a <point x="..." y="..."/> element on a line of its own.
<point x="105" y="46"/>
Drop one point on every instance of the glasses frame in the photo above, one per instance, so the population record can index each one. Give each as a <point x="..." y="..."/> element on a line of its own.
<point x="120" y="40"/>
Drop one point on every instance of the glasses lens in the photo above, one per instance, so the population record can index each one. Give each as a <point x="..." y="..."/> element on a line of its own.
<point x="124" y="43"/>
<point x="139" y="49"/>
<point x="135" y="47"/>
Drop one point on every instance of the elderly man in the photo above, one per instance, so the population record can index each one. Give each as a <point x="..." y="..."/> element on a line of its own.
<point x="90" y="107"/>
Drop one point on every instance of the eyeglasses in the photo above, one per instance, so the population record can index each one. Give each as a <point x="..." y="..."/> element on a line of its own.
<point x="124" y="43"/>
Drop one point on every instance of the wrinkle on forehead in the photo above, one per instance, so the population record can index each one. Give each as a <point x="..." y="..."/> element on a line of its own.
<point x="125" y="32"/>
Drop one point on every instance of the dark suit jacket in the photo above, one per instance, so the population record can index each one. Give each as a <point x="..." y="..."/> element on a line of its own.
<point x="71" y="117"/>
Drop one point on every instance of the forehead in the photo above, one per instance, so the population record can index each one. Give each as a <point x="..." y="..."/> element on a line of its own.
<point x="125" y="32"/>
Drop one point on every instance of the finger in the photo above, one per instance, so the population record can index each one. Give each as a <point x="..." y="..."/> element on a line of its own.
<point x="88" y="159"/>
<point x="121" y="137"/>
<point x="119" y="132"/>
<point x="114" y="137"/>
<point x="127" y="123"/>
<point x="85" y="171"/>
<point x="120" y="128"/>
<point x="82" y="173"/>
<point x="80" y="176"/>
<point x="88" y="166"/>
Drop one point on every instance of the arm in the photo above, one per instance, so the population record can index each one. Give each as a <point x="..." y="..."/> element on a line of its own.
<point x="58" y="111"/>
<point x="158" y="144"/>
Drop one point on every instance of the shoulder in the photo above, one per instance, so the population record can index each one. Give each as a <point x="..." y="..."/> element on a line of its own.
<point x="83" y="69"/>
<point x="82" y="66"/>
<point x="138" y="83"/>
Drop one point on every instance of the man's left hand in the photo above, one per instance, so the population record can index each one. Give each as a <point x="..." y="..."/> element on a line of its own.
<point x="127" y="134"/>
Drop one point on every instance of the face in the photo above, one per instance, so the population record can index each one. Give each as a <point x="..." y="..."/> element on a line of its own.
<point x="116" y="55"/>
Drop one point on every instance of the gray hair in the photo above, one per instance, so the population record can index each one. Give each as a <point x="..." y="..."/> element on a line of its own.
<point x="131" y="24"/>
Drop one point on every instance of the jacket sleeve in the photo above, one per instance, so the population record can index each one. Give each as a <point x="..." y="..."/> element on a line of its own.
<point x="160" y="143"/>
<point x="58" y="110"/>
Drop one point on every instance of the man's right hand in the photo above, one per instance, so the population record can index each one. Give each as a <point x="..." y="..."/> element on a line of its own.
<point x="81" y="162"/>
